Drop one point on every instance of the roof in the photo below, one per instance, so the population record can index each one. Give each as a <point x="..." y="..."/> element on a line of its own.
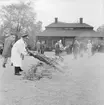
<point x="91" y="34"/>
<point x="68" y="25"/>
<point x="70" y="33"/>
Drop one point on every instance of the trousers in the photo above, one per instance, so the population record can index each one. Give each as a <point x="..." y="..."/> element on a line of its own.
<point x="17" y="69"/>
<point x="5" y="60"/>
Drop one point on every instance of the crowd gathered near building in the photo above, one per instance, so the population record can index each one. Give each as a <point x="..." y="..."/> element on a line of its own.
<point x="58" y="39"/>
<point x="16" y="50"/>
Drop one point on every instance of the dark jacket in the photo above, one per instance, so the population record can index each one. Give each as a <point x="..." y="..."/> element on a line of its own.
<point x="57" y="49"/>
<point x="75" y="47"/>
<point x="7" y="46"/>
<point x="42" y="48"/>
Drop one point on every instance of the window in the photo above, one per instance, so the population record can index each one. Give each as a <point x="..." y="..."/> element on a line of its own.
<point x="68" y="28"/>
<point x="43" y="41"/>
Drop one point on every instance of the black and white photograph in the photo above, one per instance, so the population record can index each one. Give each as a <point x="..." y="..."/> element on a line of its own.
<point x="51" y="52"/>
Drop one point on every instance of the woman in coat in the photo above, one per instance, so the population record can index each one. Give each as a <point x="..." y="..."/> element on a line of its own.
<point x="19" y="48"/>
<point x="9" y="41"/>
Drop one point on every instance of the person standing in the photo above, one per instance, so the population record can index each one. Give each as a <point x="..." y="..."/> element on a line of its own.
<point x="19" y="48"/>
<point x="38" y="46"/>
<point x="42" y="47"/>
<point x="61" y="45"/>
<point x="81" y="49"/>
<point x="76" y="49"/>
<point x="89" y="48"/>
<point x="57" y="48"/>
<point x="9" y="41"/>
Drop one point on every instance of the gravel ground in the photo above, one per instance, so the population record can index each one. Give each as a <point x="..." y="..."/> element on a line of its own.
<point x="81" y="84"/>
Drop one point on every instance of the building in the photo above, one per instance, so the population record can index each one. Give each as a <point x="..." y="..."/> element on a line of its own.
<point x="67" y="32"/>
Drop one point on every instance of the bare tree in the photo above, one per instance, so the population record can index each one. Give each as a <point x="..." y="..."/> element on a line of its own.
<point x="100" y="29"/>
<point x="20" y="17"/>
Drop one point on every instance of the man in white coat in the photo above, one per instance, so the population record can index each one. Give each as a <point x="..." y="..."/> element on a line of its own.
<point x="18" y="49"/>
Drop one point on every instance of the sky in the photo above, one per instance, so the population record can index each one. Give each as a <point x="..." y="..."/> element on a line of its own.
<point x="92" y="11"/>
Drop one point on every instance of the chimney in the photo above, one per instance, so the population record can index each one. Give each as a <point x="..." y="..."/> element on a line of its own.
<point x="81" y="20"/>
<point x="56" y="20"/>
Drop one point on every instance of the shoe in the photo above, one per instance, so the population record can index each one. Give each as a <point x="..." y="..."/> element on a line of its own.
<point x="21" y="70"/>
<point x="17" y="74"/>
<point x="4" y="65"/>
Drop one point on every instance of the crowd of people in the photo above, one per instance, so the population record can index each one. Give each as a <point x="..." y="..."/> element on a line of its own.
<point x="77" y="48"/>
<point x="17" y="49"/>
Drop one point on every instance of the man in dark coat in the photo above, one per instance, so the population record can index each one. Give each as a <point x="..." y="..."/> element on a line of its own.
<point x="42" y="47"/>
<point x="57" y="49"/>
<point x="9" y="41"/>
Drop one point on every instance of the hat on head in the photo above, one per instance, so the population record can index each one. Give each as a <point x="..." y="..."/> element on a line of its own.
<point x="25" y="35"/>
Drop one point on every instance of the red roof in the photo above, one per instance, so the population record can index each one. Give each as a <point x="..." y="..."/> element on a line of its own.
<point x="68" y="25"/>
<point x="70" y="33"/>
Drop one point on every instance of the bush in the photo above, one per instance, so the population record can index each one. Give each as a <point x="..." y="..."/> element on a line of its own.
<point x="37" y="71"/>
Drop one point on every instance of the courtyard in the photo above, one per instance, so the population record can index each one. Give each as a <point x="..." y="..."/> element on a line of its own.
<point x="82" y="83"/>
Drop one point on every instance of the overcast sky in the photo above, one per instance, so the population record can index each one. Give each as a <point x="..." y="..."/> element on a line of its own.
<point x="92" y="11"/>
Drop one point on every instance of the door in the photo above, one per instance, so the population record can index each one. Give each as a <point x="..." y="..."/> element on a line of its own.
<point x="68" y="41"/>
